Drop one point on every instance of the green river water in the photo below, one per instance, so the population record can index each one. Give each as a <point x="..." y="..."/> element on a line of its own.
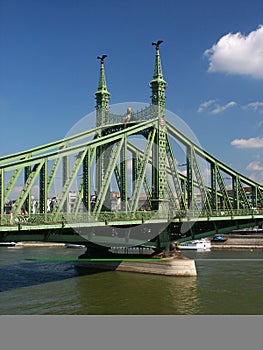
<point x="228" y="283"/>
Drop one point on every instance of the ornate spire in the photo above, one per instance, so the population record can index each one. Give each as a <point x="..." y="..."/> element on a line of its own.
<point x="158" y="84"/>
<point x="158" y="74"/>
<point x="102" y="87"/>
<point x="102" y="95"/>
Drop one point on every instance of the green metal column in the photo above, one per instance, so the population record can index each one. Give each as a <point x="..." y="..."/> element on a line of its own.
<point x="190" y="178"/>
<point x="86" y="182"/>
<point x="159" y="172"/>
<point x="65" y="173"/>
<point x="254" y="197"/>
<point x="43" y="193"/>
<point x="27" y="203"/>
<point x="102" y="118"/>
<point x="2" y="193"/>
<point x="184" y="194"/>
<point x="214" y="201"/>
<point x="135" y="160"/>
<point x="124" y="176"/>
<point x="102" y="96"/>
<point x="235" y="192"/>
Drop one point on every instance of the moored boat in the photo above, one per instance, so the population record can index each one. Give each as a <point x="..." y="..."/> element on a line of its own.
<point x="7" y="244"/>
<point x="74" y="246"/>
<point x="198" y="244"/>
<point x="218" y="239"/>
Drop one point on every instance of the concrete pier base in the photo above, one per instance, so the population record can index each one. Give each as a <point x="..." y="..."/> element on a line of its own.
<point x="167" y="266"/>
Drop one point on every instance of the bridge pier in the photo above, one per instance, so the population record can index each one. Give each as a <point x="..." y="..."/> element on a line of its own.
<point x="169" y="262"/>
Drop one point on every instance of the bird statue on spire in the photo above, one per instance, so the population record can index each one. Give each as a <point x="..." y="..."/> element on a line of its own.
<point x="157" y="44"/>
<point x="101" y="58"/>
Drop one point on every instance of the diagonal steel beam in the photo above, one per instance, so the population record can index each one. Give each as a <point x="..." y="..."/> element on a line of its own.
<point x="69" y="181"/>
<point x="27" y="187"/>
<point x="108" y="176"/>
<point x="142" y="170"/>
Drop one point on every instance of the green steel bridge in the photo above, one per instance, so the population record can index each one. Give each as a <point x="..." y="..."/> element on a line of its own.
<point x="155" y="202"/>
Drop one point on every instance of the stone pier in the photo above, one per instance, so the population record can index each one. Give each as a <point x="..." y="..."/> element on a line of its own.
<point x="166" y="266"/>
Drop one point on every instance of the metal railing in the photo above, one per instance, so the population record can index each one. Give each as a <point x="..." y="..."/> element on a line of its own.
<point x="146" y="113"/>
<point x="108" y="217"/>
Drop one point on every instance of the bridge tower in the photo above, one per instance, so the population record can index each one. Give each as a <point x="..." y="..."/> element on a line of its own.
<point x="102" y="117"/>
<point x="160" y="198"/>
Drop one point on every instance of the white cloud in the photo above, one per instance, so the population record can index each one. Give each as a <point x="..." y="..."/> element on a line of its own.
<point x="257" y="177"/>
<point x="213" y="107"/>
<point x="254" y="142"/>
<point x="220" y="109"/>
<point x="255" y="106"/>
<point x="238" y="54"/>
<point x="203" y="106"/>
<point x="255" y="166"/>
<point x="256" y="171"/>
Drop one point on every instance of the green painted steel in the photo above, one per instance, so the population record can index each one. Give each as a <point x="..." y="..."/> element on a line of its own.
<point x="36" y="186"/>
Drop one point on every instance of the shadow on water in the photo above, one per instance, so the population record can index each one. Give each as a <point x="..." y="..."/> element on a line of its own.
<point x="26" y="274"/>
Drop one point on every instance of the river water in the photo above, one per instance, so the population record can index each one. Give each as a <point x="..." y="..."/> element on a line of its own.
<point x="228" y="283"/>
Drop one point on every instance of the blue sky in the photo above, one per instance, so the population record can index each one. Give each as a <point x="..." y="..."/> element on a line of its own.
<point x="212" y="59"/>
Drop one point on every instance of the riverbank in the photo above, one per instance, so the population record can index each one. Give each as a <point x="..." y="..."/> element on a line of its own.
<point x="234" y="241"/>
<point x="40" y="244"/>
<point x="240" y="241"/>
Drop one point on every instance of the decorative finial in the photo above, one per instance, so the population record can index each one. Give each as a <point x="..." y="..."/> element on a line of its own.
<point x="157" y="44"/>
<point x="101" y="58"/>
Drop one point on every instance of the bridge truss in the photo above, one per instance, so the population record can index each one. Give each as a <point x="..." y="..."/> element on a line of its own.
<point x="136" y="155"/>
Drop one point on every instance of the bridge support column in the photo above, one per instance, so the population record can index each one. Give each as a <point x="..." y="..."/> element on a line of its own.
<point x="86" y="182"/>
<point x="190" y="178"/>
<point x="2" y="194"/>
<point x="65" y="174"/>
<point x="27" y="203"/>
<point x="214" y="203"/>
<point x="175" y="264"/>
<point x="43" y="195"/>
<point x="124" y="176"/>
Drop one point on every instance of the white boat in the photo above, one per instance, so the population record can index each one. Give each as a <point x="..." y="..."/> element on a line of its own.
<point x="7" y="244"/>
<point x="198" y="244"/>
<point x="75" y="246"/>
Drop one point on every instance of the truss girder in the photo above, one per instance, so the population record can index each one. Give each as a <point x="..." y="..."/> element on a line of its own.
<point x="84" y="187"/>
<point x="118" y="177"/>
<point x="108" y="175"/>
<point x="69" y="181"/>
<point x="138" y="159"/>
<point x="191" y="202"/>
<point x="27" y="187"/>
<point x="12" y="182"/>
<point x="43" y="193"/>
<point x="259" y="197"/>
<point x="173" y="206"/>
<point x="219" y="166"/>
<point x="242" y="195"/>
<point x="223" y="190"/>
<point x="79" y="198"/>
<point x="184" y="179"/>
<point x="147" y="189"/>
<point x="73" y="149"/>
<point x="205" y="155"/>
<point x="200" y="182"/>
<point x="2" y="192"/>
<point x="175" y="175"/>
<point x="142" y="170"/>
<point x="37" y="161"/>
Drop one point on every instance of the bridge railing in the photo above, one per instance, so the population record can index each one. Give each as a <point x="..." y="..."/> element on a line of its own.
<point x="146" y="113"/>
<point x="218" y="213"/>
<point x="108" y="217"/>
